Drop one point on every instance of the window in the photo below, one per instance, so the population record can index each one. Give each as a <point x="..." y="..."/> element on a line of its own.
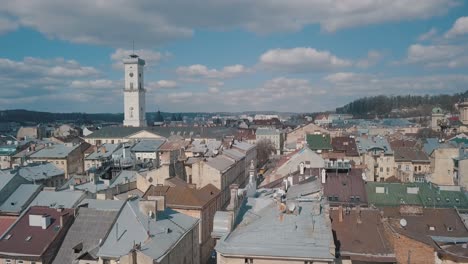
<point x="63" y="162"/>
<point x="131" y="85"/>
<point x="419" y="167"/>
<point x="8" y="261"/>
<point x="381" y="169"/>
<point x="248" y="261"/>
<point x="352" y="199"/>
<point x="358" y="198"/>
<point x="388" y="169"/>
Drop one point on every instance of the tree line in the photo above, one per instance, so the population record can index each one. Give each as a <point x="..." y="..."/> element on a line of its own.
<point x="382" y="105"/>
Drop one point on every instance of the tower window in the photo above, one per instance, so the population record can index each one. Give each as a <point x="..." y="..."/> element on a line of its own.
<point x="131" y="85"/>
<point x="140" y="86"/>
<point x="139" y="75"/>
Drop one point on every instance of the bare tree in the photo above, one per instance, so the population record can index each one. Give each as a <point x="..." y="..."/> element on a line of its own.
<point x="264" y="149"/>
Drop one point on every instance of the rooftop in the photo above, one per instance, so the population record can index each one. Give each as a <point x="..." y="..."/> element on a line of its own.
<point x="65" y="199"/>
<point x="90" y="226"/>
<point x="38" y="171"/>
<point x="183" y="196"/>
<point x="104" y="151"/>
<point x="365" y="239"/>
<point x="156" y="235"/>
<point x="23" y="238"/>
<point x="20" y="198"/>
<point x="220" y="162"/>
<point x="346" y="145"/>
<point x="319" y="142"/>
<point x="423" y="194"/>
<point x="410" y="155"/>
<point x="265" y="231"/>
<point x="345" y="187"/>
<point x="148" y="145"/>
<point x="55" y="151"/>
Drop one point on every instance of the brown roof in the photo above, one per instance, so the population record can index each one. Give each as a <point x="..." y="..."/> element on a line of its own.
<point x="183" y="196"/>
<point x="410" y="154"/>
<point x="245" y="134"/>
<point x="403" y="143"/>
<point x="6" y="222"/>
<point x="366" y="239"/>
<point x="344" y="185"/>
<point x="446" y="222"/>
<point x="173" y="145"/>
<point x="40" y="239"/>
<point x="346" y="145"/>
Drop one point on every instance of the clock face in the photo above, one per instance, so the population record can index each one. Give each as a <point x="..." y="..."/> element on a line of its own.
<point x="131" y="74"/>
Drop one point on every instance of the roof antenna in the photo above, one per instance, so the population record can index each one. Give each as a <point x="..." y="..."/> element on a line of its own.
<point x="133" y="55"/>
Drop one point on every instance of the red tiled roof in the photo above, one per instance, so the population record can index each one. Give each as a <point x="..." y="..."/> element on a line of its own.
<point x="40" y="238"/>
<point x="6" y="222"/>
<point x="346" y="145"/>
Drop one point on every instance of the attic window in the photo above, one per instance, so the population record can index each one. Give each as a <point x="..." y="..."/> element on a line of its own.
<point x="432" y="228"/>
<point x="447" y="200"/>
<point x="28" y="238"/>
<point x="457" y="200"/>
<point x="438" y="199"/>
<point x="449" y="228"/>
<point x="7" y="237"/>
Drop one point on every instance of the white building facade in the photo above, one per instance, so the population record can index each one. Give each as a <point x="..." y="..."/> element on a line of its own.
<point x="134" y="92"/>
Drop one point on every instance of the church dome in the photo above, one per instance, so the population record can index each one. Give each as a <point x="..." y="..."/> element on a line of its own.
<point x="436" y="110"/>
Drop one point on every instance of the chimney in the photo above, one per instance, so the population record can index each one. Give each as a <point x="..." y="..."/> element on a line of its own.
<point x="160" y="202"/>
<point x="340" y="213"/>
<point x="233" y="204"/>
<point x="148" y="207"/>
<point x="358" y="208"/>
<point x="103" y="149"/>
<point x="62" y="219"/>
<point x="301" y="168"/>
<point x="324" y="176"/>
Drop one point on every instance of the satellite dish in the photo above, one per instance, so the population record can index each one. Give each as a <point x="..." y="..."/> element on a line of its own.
<point x="403" y="222"/>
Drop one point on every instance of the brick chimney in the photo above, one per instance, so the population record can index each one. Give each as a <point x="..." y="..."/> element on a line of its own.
<point x="233" y="204"/>
<point x="340" y="213"/>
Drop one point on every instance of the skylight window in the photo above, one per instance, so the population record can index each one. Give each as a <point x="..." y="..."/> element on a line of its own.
<point x="28" y="238"/>
<point x="7" y="237"/>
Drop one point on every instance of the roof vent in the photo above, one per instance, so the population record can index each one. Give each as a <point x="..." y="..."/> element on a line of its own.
<point x="403" y="222"/>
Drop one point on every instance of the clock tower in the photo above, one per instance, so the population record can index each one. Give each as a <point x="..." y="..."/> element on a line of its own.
<point x="134" y="92"/>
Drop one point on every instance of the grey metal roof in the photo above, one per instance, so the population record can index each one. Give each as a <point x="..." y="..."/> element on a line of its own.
<point x="39" y="171"/>
<point x="132" y="226"/>
<point x="433" y="144"/>
<point x="220" y="162"/>
<point x="303" y="189"/>
<point x="186" y="132"/>
<point x="5" y="178"/>
<point x="111" y="205"/>
<point x="94" y="187"/>
<point x="243" y="145"/>
<point x="66" y="199"/>
<point x="234" y="154"/>
<point x="90" y="226"/>
<point x="264" y="231"/>
<point x="54" y="151"/>
<point x="100" y="154"/>
<point x="148" y="145"/>
<point x="267" y="131"/>
<point x="365" y="144"/>
<point x="18" y="200"/>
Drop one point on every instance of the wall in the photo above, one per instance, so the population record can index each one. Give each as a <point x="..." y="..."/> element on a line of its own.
<point x="442" y="165"/>
<point x="409" y="249"/>
<point x="229" y="260"/>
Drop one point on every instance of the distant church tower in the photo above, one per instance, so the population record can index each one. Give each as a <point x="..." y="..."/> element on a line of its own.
<point x="134" y="92"/>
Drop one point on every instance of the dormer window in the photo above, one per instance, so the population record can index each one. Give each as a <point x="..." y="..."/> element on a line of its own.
<point x="431" y="228"/>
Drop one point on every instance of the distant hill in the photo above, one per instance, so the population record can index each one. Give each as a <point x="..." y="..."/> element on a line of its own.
<point x="401" y="105"/>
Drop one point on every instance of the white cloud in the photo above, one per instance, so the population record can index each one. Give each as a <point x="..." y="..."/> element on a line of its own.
<point x="153" y="22"/>
<point x="357" y="85"/>
<point x="151" y="57"/>
<point x="301" y="60"/>
<point x="428" y="35"/>
<point x="460" y="27"/>
<point x="213" y="89"/>
<point x="162" y="84"/>
<point x="373" y="57"/>
<point x="451" y="56"/>
<point x="96" y="84"/>
<point x="7" y="25"/>
<point x="201" y="71"/>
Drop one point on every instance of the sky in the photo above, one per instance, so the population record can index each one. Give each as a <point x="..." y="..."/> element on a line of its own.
<point x="229" y="55"/>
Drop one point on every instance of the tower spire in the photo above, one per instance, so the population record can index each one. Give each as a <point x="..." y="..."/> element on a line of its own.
<point x="133" y="55"/>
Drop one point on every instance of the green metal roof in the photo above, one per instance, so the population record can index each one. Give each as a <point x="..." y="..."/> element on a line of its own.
<point x="317" y="142"/>
<point x="428" y="195"/>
